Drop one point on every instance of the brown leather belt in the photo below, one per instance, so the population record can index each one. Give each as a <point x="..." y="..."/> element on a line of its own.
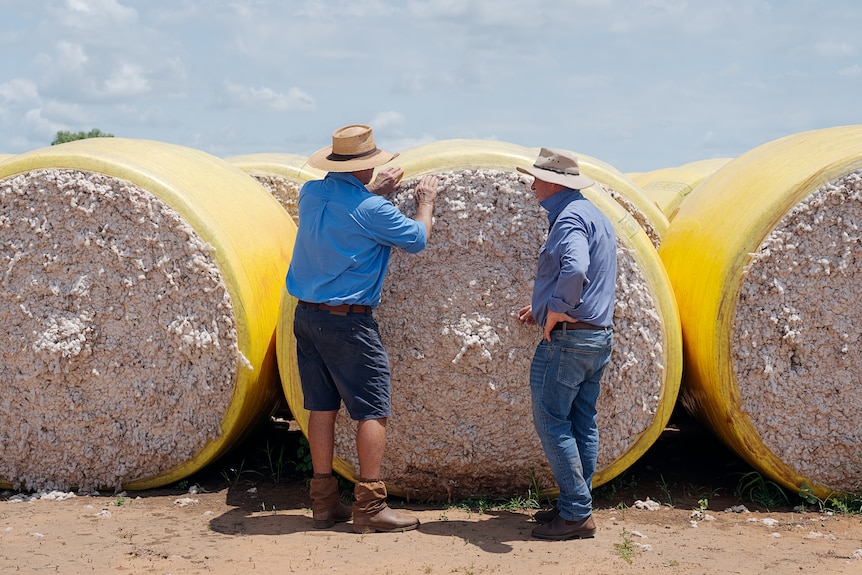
<point x="342" y="309"/>
<point x="574" y="325"/>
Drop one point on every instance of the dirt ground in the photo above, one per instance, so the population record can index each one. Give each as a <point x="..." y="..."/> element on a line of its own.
<point x="245" y="518"/>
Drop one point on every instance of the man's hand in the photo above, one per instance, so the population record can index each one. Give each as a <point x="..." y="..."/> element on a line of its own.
<point x="425" y="194"/>
<point x="426" y="191"/>
<point x="525" y="315"/>
<point x="387" y="181"/>
<point x="554" y="317"/>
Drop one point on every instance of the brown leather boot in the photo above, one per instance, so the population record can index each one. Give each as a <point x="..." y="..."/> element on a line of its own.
<point x="560" y="529"/>
<point x="326" y="507"/>
<point x="370" y="512"/>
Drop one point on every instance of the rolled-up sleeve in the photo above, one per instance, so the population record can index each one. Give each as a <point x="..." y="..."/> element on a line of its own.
<point x="390" y="227"/>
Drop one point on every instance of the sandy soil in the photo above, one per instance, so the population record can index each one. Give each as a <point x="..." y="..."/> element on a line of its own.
<point x="243" y="522"/>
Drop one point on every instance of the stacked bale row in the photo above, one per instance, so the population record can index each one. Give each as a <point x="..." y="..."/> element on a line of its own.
<point x="772" y="329"/>
<point x="462" y="424"/>
<point x="139" y="287"/>
<point x="140" y="318"/>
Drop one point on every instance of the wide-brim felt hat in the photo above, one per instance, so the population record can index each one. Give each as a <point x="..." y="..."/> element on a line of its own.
<point x="558" y="167"/>
<point x="352" y="149"/>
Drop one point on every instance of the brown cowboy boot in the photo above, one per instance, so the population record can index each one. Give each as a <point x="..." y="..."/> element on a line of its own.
<point x="326" y="507"/>
<point x="370" y="512"/>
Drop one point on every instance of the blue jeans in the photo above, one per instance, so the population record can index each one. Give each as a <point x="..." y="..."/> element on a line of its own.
<point x="565" y="380"/>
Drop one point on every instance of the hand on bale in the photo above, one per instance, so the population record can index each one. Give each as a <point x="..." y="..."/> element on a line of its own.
<point x="525" y="315"/>
<point x="426" y="191"/>
<point x="387" y="181"/>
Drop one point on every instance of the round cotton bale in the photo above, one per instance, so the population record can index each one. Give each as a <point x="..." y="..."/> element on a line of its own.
<point x="281" y="174"/>
<point x="772" y="331"/>
<point x="492" y="155"/>
<point x="139" y="290"/>
<point x="668" y="187"/>
<point x="462" y="420"/>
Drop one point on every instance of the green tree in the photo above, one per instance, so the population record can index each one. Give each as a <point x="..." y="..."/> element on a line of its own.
<point x="62" y="137"/>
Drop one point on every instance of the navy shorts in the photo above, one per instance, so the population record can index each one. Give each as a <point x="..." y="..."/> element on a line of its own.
<point x="341" y="358"/>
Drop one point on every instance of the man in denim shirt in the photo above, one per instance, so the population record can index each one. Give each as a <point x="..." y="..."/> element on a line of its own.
<point x="345" y="235"/>
<point x="573" y="302"/>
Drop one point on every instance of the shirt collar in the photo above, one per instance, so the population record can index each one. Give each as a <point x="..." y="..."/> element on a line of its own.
<point x="346" y="177"/>
<point x="558" y="201"/>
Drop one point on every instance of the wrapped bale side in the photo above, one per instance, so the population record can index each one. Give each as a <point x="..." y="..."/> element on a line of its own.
<point x="138" y="313"/>
<point x="767" y="296"/>
<point x="281" y="174"/>
<point x="668" y="187"/>
<point x="462" y="421"/>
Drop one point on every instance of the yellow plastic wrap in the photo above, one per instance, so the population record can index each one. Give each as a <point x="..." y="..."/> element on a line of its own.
<point x="706" y="251"/>
<point x="281" y="174"/>
<point x="668" y="187"/>
<point x="252" y="239"/>
<point x="438" y="157"/>
<point x="292" y="167"/>
<point x="645" y="211"/>
<point x="457" y="155"/>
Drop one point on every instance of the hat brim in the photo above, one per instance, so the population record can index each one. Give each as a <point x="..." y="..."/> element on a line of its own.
<point x="320" y="160"/>
<point x="568" y="180"/>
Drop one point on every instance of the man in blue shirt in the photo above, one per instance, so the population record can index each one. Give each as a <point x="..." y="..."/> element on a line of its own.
<point x="573" y="302"/>
<point x="343" y="243"/>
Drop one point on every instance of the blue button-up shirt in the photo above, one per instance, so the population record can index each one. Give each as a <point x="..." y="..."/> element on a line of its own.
<point x="344" y="240"/>
<point x="577" y="266"/>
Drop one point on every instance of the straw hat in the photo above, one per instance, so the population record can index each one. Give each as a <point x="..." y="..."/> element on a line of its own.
<point x="352" y="150"/>
<point x="558" y="167"/>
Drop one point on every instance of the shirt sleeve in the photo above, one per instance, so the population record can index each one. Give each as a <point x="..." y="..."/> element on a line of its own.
<point x="389" y="227"/>
<point x="573" y="251"/>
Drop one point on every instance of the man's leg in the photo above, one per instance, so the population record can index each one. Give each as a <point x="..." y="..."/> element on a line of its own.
<point x="326" y="506"/>
<point x="551" y="401"/>
<point x="370" y="512"/>
<point x="321" y="440"/>
<point x="370" y="442"/>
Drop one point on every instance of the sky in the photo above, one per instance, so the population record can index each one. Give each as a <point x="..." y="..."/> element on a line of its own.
<point x="639" y="85"/>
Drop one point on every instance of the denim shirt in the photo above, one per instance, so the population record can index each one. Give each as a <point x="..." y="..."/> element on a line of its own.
<point x="344" y="240"/>
<point x="577" y="265"/>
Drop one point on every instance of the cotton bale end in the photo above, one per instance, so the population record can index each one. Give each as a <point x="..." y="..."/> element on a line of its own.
<point x="139" y="286"/>
<point x="767" y="297"/>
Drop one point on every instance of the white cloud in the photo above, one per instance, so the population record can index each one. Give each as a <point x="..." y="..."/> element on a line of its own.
<point x="851" y="71"/>
<point x="350" y="8"/>
<point x="66" y="111"/>
<point x="19" y="90"/>
<point x="389" y="122"/>
<point x="295" y="100"/>
<point x="834" y="48"/>
<point x="401" y="144"/>
<point x="128" y="80"/>
<point x="84" y="13"/>
<point x="70" y="56"/>
<point x="42" y="125"/>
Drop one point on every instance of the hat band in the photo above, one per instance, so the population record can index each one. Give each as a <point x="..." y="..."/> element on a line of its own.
<point x="346" y="157"/>
<point x="558" y="171"/>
